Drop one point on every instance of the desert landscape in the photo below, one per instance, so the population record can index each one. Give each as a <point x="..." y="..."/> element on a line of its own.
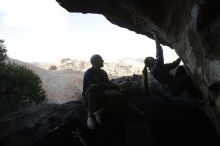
<point x="62" y="81"/>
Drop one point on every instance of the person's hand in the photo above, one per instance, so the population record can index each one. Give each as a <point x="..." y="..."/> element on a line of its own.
<point x="123" y="86"/>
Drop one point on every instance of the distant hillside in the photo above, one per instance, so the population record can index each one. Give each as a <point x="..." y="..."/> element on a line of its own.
<point x="65" y="83"/>
<point x="60" y="86"/>
<point x="123" y="67"/>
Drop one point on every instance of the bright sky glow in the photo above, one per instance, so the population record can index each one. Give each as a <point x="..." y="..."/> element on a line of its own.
<point x="42" y="31"/>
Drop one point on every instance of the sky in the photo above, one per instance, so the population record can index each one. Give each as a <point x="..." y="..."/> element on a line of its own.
<point x="42" y="31"/>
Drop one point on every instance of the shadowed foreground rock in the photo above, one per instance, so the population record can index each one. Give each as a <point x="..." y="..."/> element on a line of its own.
<point x="155" y="120"/>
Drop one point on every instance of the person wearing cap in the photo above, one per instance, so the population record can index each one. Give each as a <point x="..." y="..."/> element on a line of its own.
<point x="96" y="85"/>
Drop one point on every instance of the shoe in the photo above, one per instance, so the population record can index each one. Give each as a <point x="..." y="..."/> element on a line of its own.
<point x="91" y="123"/>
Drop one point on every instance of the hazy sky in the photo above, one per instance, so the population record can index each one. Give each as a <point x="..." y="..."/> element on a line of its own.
<point x="42" y="31"/>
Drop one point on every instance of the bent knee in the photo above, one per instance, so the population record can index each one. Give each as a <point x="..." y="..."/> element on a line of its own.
<point x="93" y="87"/>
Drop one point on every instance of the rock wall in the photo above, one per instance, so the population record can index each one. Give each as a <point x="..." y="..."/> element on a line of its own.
<point x="191" y="27"/>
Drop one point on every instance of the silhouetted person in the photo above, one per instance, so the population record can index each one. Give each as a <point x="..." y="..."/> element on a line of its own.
<point x="159" y="70"/>
<point x="177" y="83"/>
<point x="96" y="86"/>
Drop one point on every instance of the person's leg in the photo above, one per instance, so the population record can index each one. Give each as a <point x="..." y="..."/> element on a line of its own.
<point x="115" y="108"/>
<point x="179" y="86"/>
<point x="94" y="98"/>
<point x="182" y="81"/>
<point x="113" y="99"/>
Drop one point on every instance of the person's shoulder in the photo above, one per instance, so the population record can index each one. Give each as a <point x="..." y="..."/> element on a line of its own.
<point x="103" y="71"/>
<point x="88" y="71"/>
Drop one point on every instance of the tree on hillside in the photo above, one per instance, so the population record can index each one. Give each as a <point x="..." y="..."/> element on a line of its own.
<point x="19" y="86"/>
<point x="3" y="51"/>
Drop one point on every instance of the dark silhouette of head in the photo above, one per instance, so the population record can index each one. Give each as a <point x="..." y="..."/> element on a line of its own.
<point x="96" y="61"/>
<point x="149" y="62"/>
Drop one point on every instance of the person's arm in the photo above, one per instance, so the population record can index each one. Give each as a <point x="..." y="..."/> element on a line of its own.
<point x="174" y="64"/>
<point x="107" y="85"/>
<point x="159" y="51"/>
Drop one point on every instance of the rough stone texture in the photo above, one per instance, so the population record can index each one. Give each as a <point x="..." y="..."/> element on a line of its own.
<point x="191" y="27"/>
<point x="29" y="125"/>
<point x="155" y="120"/>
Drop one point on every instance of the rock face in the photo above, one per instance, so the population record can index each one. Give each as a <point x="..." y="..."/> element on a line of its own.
<point x="191" y="27"/>
<point x="29" y="125"/>
<point x="154" y="120"/>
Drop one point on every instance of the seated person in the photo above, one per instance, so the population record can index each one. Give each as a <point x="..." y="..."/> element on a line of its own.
<point x="96" y="85"/>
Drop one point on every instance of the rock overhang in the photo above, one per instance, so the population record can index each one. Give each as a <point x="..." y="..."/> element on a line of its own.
<point x="191" y="27"/>
<point x="182" y="25"/>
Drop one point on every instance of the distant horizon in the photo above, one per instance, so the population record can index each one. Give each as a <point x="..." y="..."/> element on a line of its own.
<point x="42" y="62"/>
<point x="166" y="60"/>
